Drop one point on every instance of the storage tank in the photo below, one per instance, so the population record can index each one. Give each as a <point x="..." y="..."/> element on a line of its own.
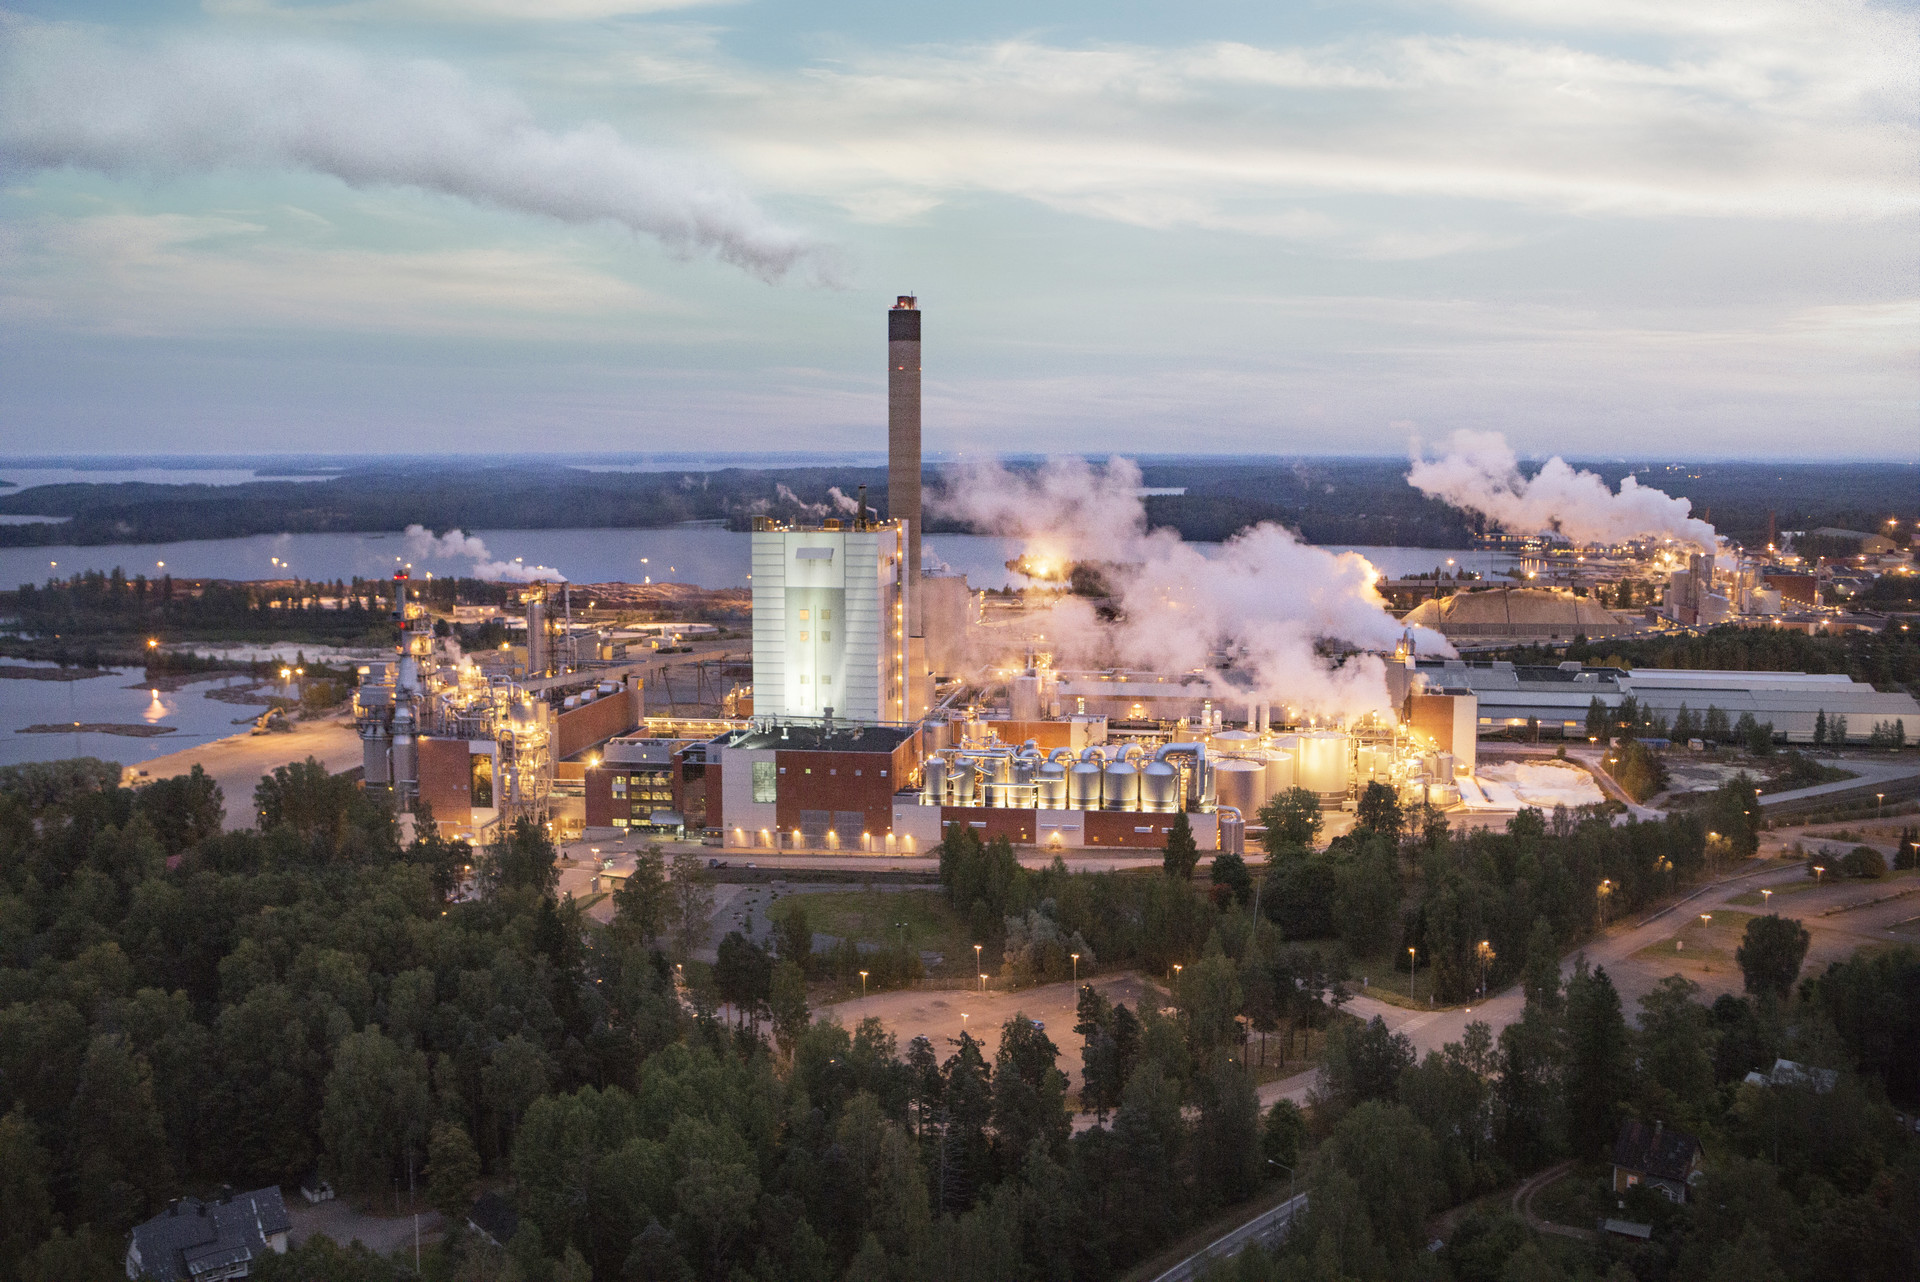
<point x="373" y="754"/>
<point x="963" y="777"/>
<point x="1280" y="773"/>
<point x="1241" y="784"/>
<point x="1444" y="794"/>
<point x="1023" y="698"/>
<point x="1232" y="742"/>
<point x="1120" y="787"/>
<point x="1083" y="785"/>
<point x="1443" y="769"/>
<point x="933" y="778"/>
<point x="1323" y="762"/>
<point x="1160" y="787"/>
<point x="1051" y="778"/>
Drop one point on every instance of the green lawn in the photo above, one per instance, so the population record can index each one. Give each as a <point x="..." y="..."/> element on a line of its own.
<point x="1387" y="984"/>
<point x="870" y="917"/>
<point x="1712" y="941"/>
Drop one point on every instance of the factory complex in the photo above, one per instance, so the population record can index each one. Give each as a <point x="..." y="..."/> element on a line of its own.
<point x="882" y="711"/>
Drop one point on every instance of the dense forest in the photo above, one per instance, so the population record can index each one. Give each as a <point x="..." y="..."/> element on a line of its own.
<point x="182" y="1007"/>
<point x="1329" y="500"/>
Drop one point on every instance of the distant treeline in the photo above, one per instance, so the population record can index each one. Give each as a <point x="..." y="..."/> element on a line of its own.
<point x="108" y="606"/>
<point x="1888" y="660"/>
<point x="1365" y="501"/>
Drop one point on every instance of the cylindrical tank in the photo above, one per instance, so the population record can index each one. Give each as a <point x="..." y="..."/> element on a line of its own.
<point x="1083" y="786"/>
<point x="962" y="780"/>
<point x="934" y="781"/>
<point x="1280" y="773"/>
<point x="1239" y="783"/>
<point x="1233" y="833"/>
<point x="1443" y="770"/>
<point x="1322" y="762"/>
<point x="1023" y="697"/>
<point x="998" y="795"/>
<point x="1231" y="742"/>
<point x="405" y="772"/>
<point x="1120" y="787"/>
<point x="1160" y="787"/>
<point x="373" y="755"/>
<point x="1444" y="794"/>
<point x="1023" y="771"/>
<point x="1052" y="780"/>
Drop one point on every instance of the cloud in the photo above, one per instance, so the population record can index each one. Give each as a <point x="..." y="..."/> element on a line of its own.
<point x="544" y="11"/>
<point x="1776" y="112"/>
<point x="70" y="98"/>
<point x="169" y="274"/>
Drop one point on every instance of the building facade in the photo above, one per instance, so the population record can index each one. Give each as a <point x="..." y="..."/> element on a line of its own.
<point x="829" y="622"/>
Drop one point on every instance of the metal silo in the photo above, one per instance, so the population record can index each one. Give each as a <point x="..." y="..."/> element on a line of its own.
<point x="1239" y="783"/>
<point x="1324" y="763"/>
<point x="1051" y="785"/>
<point x="1160" y="787"/>
<point x="1280" y="773"/>
<point x="1120" y="786"/>
<point x="934" y="781"/>
<point x="1083" y="784"/>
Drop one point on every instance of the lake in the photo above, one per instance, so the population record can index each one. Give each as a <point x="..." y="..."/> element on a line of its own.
<point x="709" y="557"/>
<point x="118" y="696"/>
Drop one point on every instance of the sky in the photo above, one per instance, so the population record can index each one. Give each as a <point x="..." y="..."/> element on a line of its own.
<point x="1610" y="228"/>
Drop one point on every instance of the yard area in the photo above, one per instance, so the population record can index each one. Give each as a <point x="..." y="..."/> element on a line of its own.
<point x="921" y="919"/>
<point x="1700" y="948"/>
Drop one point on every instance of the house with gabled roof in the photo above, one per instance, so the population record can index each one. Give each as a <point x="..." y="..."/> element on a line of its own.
<point x="196" y="1241"/>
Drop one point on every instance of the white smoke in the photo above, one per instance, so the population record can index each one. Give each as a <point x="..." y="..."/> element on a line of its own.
<point x="68" y="98"/>
<point x="815" y="510"/>
<point x="842" y="501"/>
<point x="1264" y="596"/>
<point x="422" y="546"/>
<point x="1480" y="473"/>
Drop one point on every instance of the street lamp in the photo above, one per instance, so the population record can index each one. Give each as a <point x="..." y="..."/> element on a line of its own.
<point x="863" y="985"/>
<point x="1410" y="975"/>
<point x="1766" y="896"/>
<point x="1879" y="805"/>
<point x="983" y="982"/>
<point x="1076" y="969"/>
<point x="1289" y="1170"/>
<point x="1176" y="972"/>
<point x="1486" y="955"/>
<point x="1705" y="918"/>
<point x="976" y="956"/>
<point x="1817" y="870"/>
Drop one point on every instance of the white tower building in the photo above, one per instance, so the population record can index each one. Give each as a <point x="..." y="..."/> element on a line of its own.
<point x="829" y="621"/>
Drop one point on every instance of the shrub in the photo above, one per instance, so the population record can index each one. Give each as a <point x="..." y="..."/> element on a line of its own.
<point x="1863" y="862"/>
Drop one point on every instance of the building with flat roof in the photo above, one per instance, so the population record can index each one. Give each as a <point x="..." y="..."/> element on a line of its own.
<point x="1556" y="698"/>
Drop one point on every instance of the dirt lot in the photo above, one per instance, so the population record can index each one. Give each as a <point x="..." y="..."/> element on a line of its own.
<point x="238" y="761"/>
<point x="940" y="1014"/>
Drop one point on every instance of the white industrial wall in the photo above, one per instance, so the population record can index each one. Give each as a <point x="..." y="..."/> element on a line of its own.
<point x="863" y="658"/>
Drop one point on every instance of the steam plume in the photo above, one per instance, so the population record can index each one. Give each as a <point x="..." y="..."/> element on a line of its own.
<point x="1480" y="473"/>
<point x="421" y="545"/>
<point x="1264" y="596"/>
<point x="67" y="98"/>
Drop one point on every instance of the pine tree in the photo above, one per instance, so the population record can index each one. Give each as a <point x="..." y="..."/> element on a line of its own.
<point x="1820" y="729"/>
<point x="1599" y="1058"/>
<point x="1182" y="852"/>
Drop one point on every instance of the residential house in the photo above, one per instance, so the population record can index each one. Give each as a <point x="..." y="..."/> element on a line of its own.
<point x="196" y="1241"/>
<point x="1655" y="1156"/>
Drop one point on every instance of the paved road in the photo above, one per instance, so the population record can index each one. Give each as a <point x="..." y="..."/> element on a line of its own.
<point x="1266" y="1228"/>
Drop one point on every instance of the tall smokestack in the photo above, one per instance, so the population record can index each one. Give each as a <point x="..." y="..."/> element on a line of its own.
<point x="903" y="437"/>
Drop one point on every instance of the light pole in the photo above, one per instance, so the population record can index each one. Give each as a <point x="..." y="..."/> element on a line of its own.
<point x="1606" y="897"/>
<point x="1410" y="974"/>
<point x="1879" y="805"/>
<point x="1076" y="970"/>
<point x="983" y="982"/>
<point x="1176" y="973"/>
<point x="1817" y="870"/>
<point x="1486" y="955"/>
<point x="863" y="985"/>
<point x="1766" y="896"/>
<point x="1289" y="1170"/>
<point x="976" y="957"/>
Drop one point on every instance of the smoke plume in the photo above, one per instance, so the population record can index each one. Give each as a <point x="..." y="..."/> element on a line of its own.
<point x="71" y="99"/>
<point x="1480" y="473"/>
<point x="1264" y="597"/>
<point x="421" y="545"/>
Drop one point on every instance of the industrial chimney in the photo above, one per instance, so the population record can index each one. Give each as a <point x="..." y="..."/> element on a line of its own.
<point x="903" y="438"/>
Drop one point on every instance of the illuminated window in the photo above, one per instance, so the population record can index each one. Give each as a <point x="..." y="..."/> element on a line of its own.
<point x="803" y="616"/>
<point x="766" y="784"/>
<point x="803" y="634"/>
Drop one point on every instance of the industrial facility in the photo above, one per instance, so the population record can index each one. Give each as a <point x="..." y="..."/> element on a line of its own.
<point x="888" y="704"/>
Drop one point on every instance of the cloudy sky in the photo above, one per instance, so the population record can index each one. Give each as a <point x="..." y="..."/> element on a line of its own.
<point x="1601" y="226"/>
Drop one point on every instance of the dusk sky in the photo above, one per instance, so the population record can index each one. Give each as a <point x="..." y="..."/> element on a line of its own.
<point x="1603" y="227"/>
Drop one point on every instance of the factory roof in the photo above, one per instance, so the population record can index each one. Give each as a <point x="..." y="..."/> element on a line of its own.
<point x="1501" y="610"/>
<point x="818" y="738"/>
